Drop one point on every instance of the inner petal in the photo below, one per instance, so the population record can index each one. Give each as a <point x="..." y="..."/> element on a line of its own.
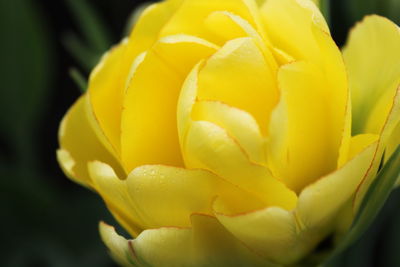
<point x="238" y="75"/>
<point x="302" y="147"/>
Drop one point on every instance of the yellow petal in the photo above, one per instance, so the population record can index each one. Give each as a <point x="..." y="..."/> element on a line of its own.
<point x="153" y="90"/>
<point x="163" y="246"/>
<point x="336" y="86"/>
<point x="189" y="18"/>
<point x="207" y="243"/>
<point x="118" y="245"/>
<point x="270" y="232"/>
<point x="80" y="144"/>
<point x="372" y="56"/>
<point x="303" y="145"/>
<point x="151" y="21"/>
<point x="106" y="93"/>
<point x="288" y="25"/>
<point x="359" y="142"/>
<point x="154" y="196"/>
<point x="187" y="98"/>
<point x="209" y="147"/>
<point x="320" y="202"/>
<point x="182" y="52"/>
<point x="108" y="80"/>
<point x="235" y="27"/>
<point x="167" y="196"/>
<point x="285" y="237"/>
<point x="147" y="31"/>
<point x="239" y="76"/>
<point x="238" y="123"/>
<point x="115" y="194"/>
<point x="215" y="246"/>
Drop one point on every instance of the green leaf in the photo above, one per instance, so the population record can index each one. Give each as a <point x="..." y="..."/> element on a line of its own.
<point x="79" y="79"/>
<point x="357" y="9"/>
<point x="91" y="25"/>
<point x="26" y="54"/>
<point x="372" y="203"/>
<point x="86" y="57"/>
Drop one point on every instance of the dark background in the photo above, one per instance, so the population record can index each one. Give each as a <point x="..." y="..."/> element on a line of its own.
<point x="46" y="220"/>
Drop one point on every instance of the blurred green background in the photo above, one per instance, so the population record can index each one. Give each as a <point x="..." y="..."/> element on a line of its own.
<point x="46" y="220"/>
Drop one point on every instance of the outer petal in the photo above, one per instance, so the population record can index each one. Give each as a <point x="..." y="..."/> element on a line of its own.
<point x="270" y="232"/>
<point x="207" y="243"/>
<point x="118" y="246"/>
<point x="372" y="57"/>
<point x="79" y="143"/>
<point x="115" y="194"/>
<point x="154" y="196"/>
<point x="167" y="196"/>
<point x="106" y="89"/>
<point x="146" y="31"/>
<point x="153" y="90"/>
<point x="239" y="76"/>
<point x="283" y="236"/>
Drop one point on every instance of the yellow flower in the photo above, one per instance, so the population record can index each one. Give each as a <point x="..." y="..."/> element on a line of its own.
<point x="232" y="132"/>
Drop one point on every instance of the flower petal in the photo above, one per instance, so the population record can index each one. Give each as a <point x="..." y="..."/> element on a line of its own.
<point x="189" y="18"/>
<point x="115" y="194"/>
<point x="372" y="57"/>
<point x="118" y="245"/>
<point x="187" y="99"/>
<point x="302" y="147"/>
<point x="239" y="76"/>
<point x="270" y="232"/>
<point x="147" y="29"/>
<point x="153" y="90"/>
<point x="207" y="243"/>
<point x="236" y="27"/>
<point x="167" y="196"/>
<point x="105" y="91"/>
<point x="320" y="202"/>
<point x="155" y="196"/>
<point x="288" y="25"/>
<point x="209" y="147"/>
<point x="238" y="123"/>
<point x="80" y="143"/>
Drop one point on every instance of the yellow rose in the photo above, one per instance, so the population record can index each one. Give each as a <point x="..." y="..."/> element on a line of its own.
<point x="232" y="132"/>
